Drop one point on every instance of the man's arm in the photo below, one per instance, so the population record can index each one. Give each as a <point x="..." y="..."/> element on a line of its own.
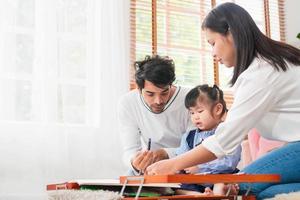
<point x="129" y="132"/>
<point x="134" y="157"/>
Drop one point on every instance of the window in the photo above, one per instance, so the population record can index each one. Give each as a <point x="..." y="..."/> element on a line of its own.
<point x="45" y="74"/>
<point x="173" y="28"/>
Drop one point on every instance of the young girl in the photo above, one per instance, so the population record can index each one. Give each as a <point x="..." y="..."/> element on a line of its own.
<point x="207" y="109"/>
<point x="266" y="97"/>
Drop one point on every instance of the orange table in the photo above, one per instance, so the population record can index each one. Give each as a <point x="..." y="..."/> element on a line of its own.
<point x="198" y="179"/>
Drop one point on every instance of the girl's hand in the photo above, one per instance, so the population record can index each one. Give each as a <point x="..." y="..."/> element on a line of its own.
<point x="162" y="167"/>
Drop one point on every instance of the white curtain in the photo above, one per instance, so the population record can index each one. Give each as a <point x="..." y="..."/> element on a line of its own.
<point x="63" y="66"/>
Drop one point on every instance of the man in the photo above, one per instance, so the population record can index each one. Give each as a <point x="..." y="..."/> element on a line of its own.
<point x="155" y="110"/>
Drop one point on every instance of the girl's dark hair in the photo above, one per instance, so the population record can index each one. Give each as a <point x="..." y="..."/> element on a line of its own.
<point x="158" y="70"/>
<point x="249" y="41"/>
<point x="204" y="92"/>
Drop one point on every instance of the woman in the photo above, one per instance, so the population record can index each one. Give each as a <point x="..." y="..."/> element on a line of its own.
<point x="267" y="97"/>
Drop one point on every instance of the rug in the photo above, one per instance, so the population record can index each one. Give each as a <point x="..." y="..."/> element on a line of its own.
<point x="83" y="195"/>
<point x="289" y="196"/>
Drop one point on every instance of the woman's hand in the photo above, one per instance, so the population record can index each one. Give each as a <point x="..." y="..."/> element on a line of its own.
<point x="162" y="167"/>
<point x="193" y="157"/>
<point x="192" y="170"/>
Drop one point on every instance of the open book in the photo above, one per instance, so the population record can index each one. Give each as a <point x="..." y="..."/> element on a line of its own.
<point x="149" y="189"/>
<point x="77" y="184"/>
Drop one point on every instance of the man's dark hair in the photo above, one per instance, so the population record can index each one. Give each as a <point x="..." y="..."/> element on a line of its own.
<point x="249" y="41"/>
<point x="207" y="94"/>
<point x="158" y="70"/>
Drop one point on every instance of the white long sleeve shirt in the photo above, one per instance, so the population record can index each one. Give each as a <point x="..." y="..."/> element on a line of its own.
<point x="137" y="123"/>
<point x="265" y="99"/>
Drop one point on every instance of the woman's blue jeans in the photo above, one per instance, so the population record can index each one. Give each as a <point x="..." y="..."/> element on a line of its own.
<point x="284" y="161"/>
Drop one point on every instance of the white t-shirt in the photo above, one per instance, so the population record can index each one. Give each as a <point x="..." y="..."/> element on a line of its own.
<point x="137" y="124"/>
<point x="265" y="99"/>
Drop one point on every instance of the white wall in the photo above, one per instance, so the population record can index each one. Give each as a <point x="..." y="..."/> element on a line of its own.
<point x="292" y="16"/>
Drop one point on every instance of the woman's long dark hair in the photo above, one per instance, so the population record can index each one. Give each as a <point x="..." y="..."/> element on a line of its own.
<point x="249" y="41"/>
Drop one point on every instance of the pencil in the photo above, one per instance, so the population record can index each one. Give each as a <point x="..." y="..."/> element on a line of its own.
<point x="148" y="148"/>
<point x="149" y="144"/>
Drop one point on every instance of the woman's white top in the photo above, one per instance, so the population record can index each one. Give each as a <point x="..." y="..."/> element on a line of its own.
<point x="265" y="99"/>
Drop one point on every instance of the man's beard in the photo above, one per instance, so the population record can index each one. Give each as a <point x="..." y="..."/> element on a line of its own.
<point x="158" y="108"/>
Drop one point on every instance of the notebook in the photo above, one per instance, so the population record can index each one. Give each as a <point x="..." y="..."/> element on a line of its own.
<point x="151" y="189"/>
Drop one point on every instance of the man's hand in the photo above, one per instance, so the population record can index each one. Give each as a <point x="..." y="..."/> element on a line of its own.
<point x="142" y="160"/>
<point x="145" y="158"/>
<point x="159" y="154"/>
